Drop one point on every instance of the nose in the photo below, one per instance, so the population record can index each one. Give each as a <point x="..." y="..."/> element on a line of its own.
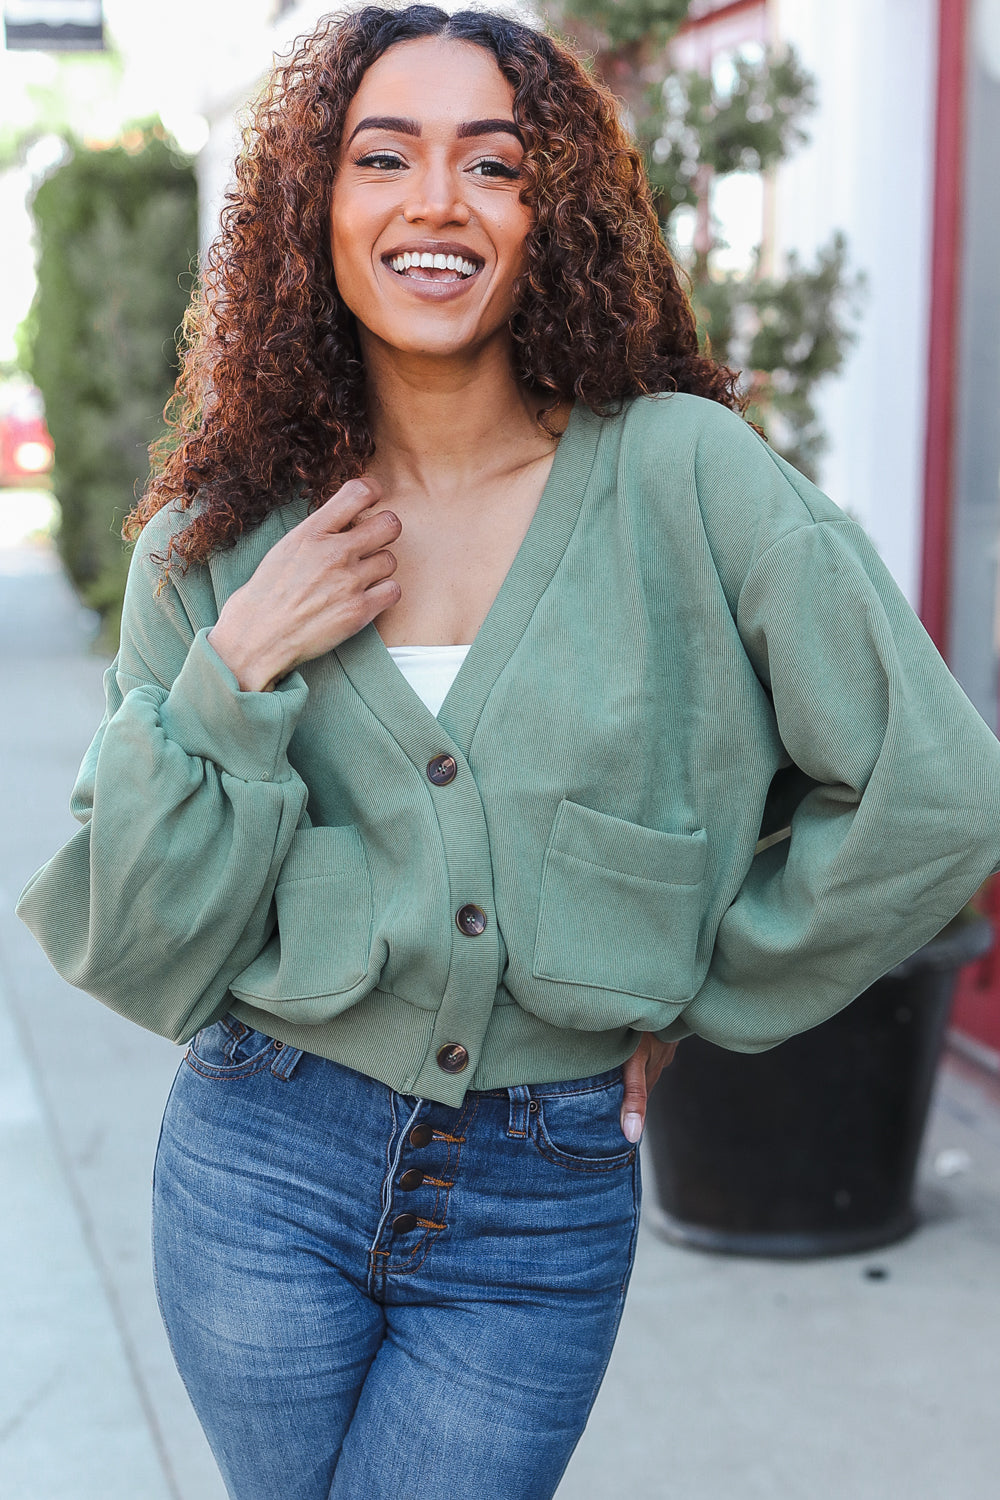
<point x="436" y="197"/>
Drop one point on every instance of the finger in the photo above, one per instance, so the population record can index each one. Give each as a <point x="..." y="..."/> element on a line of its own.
<point x="368" y="603"/>
<point x="382" y="596"/>
<point x="633" y="1113"/>
<point x="373" y="533"/>
<point x="661" y="1055"/>
<point x="347" y="503"/>
<point x="374" y="568"/>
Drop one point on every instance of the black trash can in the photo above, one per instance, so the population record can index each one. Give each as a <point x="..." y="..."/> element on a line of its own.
<point x="811" y="1148"/>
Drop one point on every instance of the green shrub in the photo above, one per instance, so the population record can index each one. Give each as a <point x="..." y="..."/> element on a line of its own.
<point x="117" y="233"/>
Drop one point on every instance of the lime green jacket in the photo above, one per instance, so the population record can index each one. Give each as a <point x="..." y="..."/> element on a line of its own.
<point x="710" y="776"/>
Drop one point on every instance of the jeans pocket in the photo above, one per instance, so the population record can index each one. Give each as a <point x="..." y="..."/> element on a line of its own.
<point x="227" y="1049"/>
<point x="580" y="1129"/>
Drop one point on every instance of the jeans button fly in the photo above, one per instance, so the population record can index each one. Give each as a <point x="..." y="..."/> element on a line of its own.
<point x="421" y="1135"/>
<point x="403" y="1223"/>
<point x="414" y="1178"/>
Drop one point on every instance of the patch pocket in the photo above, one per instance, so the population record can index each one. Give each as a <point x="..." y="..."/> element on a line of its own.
<point x="620" y="905"/>
<point x="582" y="1131"/>
<point x="324" y="905"/>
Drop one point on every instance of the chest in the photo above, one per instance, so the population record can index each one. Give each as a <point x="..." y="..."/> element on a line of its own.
<point x="452" y="559"/>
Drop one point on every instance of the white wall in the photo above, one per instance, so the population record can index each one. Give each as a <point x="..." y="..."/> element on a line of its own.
<point x="254" y="36"/>
<point x="198" y="62"/>
<point x="869" y="171"/>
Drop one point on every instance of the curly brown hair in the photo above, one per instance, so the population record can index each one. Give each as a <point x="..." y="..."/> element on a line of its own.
<point x="271" y="402"/>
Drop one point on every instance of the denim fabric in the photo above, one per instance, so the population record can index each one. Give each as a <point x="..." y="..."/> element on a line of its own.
<point x="336" y="1351"/>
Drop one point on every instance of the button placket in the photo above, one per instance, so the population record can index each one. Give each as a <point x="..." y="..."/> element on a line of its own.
<point x="470" y="988"/>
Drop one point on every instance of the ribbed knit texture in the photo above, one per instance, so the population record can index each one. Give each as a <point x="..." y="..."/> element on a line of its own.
<point x="693" y="646"/>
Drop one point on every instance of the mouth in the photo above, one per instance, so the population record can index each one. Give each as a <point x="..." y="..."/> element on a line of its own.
<point x="428" y="266"/>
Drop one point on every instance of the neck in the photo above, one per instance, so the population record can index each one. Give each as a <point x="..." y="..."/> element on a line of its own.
<point x="438" y="423"/>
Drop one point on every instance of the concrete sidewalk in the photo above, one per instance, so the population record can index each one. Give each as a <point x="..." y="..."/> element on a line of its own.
<point x="732" y="1379"/>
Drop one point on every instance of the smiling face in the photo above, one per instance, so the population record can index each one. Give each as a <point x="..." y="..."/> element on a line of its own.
<point x="427" y="229"/>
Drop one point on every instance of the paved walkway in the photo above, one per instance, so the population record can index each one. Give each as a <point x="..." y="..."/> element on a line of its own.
<point x="732" y="1379"/>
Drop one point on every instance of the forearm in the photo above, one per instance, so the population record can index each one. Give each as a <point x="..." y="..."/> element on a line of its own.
<point x="902" y="821"/>
<point x="190" y="807"/>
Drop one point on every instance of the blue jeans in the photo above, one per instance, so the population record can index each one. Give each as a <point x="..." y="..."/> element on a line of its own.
<point x="372" y="1296"/>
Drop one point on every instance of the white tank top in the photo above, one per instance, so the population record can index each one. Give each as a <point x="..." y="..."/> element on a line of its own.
<point x="430" y="670"/>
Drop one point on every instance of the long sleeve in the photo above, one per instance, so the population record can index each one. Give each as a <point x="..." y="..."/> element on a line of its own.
<point x="188" y="805"/>
<point x="901" y="820"/>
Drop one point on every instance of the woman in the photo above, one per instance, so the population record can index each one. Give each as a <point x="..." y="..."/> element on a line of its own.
<point x="434" y="941"/>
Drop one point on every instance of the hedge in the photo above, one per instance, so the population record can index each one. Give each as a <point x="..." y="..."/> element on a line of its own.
<point x="117" y="235"/>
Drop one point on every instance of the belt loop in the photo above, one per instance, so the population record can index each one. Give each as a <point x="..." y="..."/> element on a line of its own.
<point x="520" y="1099"/>
<point x="285" y="1060"/>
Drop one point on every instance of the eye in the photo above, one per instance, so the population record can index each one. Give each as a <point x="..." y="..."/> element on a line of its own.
<point x="383" y="161"/>
<point x="494" y="166"/>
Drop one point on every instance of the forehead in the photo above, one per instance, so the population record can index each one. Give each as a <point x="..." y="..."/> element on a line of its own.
<point x="433" y="78"/>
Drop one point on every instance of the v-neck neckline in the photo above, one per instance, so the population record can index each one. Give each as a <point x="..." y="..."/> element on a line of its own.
<point x="365" y="657"/>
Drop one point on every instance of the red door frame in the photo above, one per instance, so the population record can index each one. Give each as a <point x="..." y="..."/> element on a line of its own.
<point x="722" y="11"/>
<point x="976" y="1013"/>
<point x="942" y="354"/>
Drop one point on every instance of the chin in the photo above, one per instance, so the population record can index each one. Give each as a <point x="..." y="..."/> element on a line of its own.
<point x="436" y="343"/>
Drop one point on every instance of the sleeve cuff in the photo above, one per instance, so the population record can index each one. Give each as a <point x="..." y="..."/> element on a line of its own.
<point x="245" y="734"/>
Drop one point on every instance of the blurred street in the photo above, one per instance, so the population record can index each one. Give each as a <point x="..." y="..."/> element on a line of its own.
<point x="860" y="1378"/>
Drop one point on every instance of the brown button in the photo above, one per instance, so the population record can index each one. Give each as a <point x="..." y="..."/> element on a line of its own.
<point x="411" y="1179"/>
<point x="442" y="769"/>
<point x="471" y="920"/>
<point x="278" y="1046"/>
<point x="452" y="1057"/>
<point x="421" y="1135"/>
<point x="403" y="1223"/>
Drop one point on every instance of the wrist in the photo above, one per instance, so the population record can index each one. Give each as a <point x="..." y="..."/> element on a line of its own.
<point x="252" y="672"/>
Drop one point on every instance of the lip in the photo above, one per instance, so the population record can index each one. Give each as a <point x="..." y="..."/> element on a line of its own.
<point x="434" y="291"/>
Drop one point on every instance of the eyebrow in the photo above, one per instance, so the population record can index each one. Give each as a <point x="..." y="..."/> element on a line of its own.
<point x="470" y="128"/>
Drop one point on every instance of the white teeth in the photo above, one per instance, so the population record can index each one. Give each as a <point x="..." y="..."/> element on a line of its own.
<point x="438" y="262"/>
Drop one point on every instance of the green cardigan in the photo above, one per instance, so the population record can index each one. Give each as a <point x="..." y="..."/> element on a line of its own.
<point x="692" y="649"/>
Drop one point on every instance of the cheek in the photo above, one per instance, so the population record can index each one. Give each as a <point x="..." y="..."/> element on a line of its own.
<point x="521" y="228"/>
<point x="517" y="267"/>
<point x="348" y="260"/>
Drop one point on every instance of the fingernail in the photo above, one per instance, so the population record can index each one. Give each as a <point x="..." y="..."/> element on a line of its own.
<point x="632" y="1127"/>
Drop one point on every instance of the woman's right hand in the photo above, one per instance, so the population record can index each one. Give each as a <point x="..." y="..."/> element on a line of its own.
<point x="324" y="581"/>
